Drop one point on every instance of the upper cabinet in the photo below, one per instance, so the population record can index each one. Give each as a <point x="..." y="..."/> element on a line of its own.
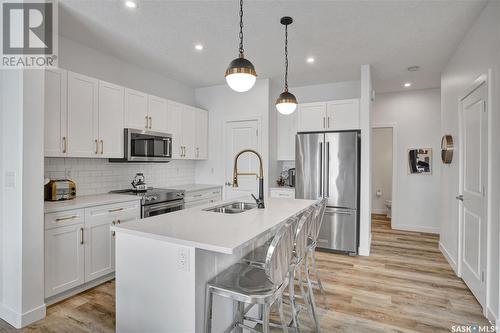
<point x="143" y="111"/>
<point x="312" y="117"/>
<point x="83" y="138"/>
<point x="111" y="120"/>
<point x="329" y="116"/>
<point x="136" y="109"/>
<point x="157" y="113"/>
<point x="201" y="134"/>
<point x="56" y="113"/>
<point x="85" y="117"/>
<point x="343" y="114"/>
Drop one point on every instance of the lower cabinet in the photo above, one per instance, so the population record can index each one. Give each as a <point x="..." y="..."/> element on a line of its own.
<point x="203" y="197"/>
<point x="79" y="245"/>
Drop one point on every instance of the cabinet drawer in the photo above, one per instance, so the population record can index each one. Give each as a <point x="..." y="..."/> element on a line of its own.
<point x="64" y="218"/>
<point x="286" y="194"/>
<point x="124" y="211"/>
<point x="200" y="195"/>
<point x="205" y="201"/>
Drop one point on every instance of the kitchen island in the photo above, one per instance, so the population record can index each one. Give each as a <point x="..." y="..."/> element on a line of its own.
<point x="163" y="263"/>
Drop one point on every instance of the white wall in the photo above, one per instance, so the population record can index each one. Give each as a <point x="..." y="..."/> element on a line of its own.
<point x="84" y="60"/>
<point x="94" y="176"/>
<point x="382" y="168"/>
<point x="416" y="113"/>
<point x="327" y="91"/>
<point x="224" y="104"/>
<point x="22" y="237"/>
<point x="478" y="52"/>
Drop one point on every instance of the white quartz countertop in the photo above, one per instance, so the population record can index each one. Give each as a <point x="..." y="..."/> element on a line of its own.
<point x="194" y="187"/>
<point x="212" y="231"/>
<point x="85" y="201"/>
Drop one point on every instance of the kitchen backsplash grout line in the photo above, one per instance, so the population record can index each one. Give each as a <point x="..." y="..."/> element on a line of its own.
<point x="94" y="176"/>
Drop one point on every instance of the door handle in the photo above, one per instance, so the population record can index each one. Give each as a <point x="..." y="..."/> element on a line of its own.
<point x="460" y="197"/>
<point x="81" y="233"/>
<point x="65" y="145"/>
<point x="150" y="122"/>
<point x="147" y="123"/>
<point x="102" y="147"/>
<point x="96" y="146"/>
<point x="328" y="122"/>
<point x="321" y="168"/>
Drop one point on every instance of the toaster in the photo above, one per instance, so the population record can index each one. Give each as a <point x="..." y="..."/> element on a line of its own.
<point x="61" y="189"/>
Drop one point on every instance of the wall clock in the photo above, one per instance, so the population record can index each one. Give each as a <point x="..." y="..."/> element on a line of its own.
<point x="447" y="149"/>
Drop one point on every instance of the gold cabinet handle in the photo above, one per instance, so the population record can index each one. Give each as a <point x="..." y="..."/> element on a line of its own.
<point x="113" y="233"/>
<point x="118" y="221"/>
<point x="66" y="218"/>
<point x="81" y="233"/>
<point x="328" y="122"/>
<point x="65" y="145"/>
<point x="96" y="146"/>
<point x="102" y="147"/>
<point x="150" y="122"/>
<point x="147" y="124"/>
<point x="115" y="210"/>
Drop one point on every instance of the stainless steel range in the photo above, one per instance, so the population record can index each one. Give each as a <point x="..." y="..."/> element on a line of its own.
<point x="156" y="201"/>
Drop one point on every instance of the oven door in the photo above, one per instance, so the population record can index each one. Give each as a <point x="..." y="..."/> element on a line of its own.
<point x="162" y="208"/>
<point x="149" y="146"/>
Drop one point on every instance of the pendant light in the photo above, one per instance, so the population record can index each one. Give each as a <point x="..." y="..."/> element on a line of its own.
<point x="286" y="102"/>
<point x="241" y="75"/>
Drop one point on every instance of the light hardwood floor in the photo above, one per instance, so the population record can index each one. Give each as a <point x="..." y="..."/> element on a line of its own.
<point x="405" y="285"/>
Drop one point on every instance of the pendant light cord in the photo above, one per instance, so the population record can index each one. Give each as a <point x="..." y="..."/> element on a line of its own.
<point x="241" y="29"/>
<point x="286" y="57"/>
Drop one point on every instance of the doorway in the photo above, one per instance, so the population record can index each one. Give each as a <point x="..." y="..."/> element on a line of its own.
<point x="473" y="197"/>
<point x="239" y="135"/>
<point x="384" y="171"/>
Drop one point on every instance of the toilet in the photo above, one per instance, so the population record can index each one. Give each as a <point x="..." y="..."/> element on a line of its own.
<point x="388" y="205"/>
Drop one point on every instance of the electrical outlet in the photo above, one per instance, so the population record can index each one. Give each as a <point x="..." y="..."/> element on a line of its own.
<point x="183" y="259"/>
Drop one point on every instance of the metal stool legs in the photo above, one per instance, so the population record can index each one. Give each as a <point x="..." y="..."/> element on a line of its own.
<point x="311" y="296"/>
<point x="315" y="271"/>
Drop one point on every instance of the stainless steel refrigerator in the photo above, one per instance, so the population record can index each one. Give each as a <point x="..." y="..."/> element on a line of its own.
<point x="327" y="166"/>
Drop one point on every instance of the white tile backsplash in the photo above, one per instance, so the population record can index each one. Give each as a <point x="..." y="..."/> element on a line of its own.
<point x="93" y="176"/>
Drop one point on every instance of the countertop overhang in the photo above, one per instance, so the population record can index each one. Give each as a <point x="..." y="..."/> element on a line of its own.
<point x="217" y="232"/>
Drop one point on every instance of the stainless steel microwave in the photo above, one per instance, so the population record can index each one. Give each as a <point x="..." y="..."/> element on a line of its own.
<point x="145" y="146"/>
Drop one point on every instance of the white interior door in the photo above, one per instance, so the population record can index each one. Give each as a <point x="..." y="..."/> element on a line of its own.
<point x="473" y="199"/>
<point x="241" y="135"/>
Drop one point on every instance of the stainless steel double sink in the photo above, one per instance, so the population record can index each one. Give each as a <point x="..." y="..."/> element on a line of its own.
<point x="232" y="207"/>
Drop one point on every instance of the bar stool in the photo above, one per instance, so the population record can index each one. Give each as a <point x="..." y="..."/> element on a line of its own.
<point x="301" y="235"/>
<point x="248" y="284"/>
<point x="312" y="243"/>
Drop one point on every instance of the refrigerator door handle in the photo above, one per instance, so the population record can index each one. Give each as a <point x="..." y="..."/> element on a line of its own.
<point x="321" y="169"/>
<point x="327" y="167"/>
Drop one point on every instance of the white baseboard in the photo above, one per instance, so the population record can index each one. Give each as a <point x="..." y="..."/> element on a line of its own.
<point x="416" y="228"/>
<point x="19" y="320"/>
<point x="448" y="258"/>
<point x="379" y="211"/>
<point x="362" y="251"/>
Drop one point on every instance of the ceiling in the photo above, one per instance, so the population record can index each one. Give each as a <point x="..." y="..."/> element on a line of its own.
<point x="340" y="35"/>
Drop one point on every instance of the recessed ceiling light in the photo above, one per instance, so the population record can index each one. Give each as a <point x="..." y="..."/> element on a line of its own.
<point x="413" y="68"/>
<point x="131" y="4"/>
<point x="198" y="47"/>
<point x="310" y="60"/>
<point x="407" y="84"/>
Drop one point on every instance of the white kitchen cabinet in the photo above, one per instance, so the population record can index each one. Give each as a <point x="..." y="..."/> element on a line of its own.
<point x="157" y="113"/>
<point x="202" y="197"/>
<point x="99" y="242"/>
<point x="82" y="116"/>
<point x="312" y="117"/>
<point x="287" y="129"/>
<point x="189" y="132"/>
<point x="56" y="131"/>
<point x="111" y="120"/>
<point x="174" y="127"/>
<point x="136" y="109"/>
<point x="201" y="134"/>
<point x="343" y="115"/>
<point x="64" y="258"/>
